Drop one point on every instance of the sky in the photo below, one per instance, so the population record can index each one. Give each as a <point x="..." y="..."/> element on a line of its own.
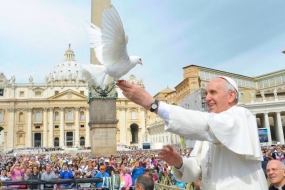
<point x="242" y="37"/>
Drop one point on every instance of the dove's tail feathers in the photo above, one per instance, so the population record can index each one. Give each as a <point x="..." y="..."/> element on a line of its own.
<point x="96" y="74"/>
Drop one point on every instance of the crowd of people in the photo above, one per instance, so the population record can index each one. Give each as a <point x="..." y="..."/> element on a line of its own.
<point x="125" y="169"/>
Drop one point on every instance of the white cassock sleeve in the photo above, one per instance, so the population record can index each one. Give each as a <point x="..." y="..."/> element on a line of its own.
<point x="186" y="123"/>
<point x="235" y="128"/>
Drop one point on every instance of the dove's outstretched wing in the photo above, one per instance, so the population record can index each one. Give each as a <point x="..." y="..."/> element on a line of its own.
<point x="110" y="43"/>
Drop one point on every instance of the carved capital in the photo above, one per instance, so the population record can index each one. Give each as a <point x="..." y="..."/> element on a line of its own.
<point x="11" y="110"/>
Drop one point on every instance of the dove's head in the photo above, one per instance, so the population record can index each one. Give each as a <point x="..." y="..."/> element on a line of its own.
<point x="136" y="60"/>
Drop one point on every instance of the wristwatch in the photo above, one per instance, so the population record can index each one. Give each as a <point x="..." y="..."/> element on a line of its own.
<point x="154" y="105"/>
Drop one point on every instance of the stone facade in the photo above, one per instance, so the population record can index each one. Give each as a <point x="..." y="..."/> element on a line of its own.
<point x="56" y="113"/>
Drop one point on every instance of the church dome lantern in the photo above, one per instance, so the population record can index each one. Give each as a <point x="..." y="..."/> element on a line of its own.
<point x="68" y="70"/>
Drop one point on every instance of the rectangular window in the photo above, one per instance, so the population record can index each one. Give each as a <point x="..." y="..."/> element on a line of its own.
<point x="56" y="127"/>
<point x="272" y="82"/>
<point x="82" y="126"/>
<point x="283" y="78"/>
<point x="22" y="94"/>
<point x="1" y="92"/>
<point x="38" y="93"/>
<point x="260" y="84"/>
<point x="278" y="80"/>
<point x="38" y="127"/>
<point x="265" y="83"/>
<point x="211" y="76"/>
<point x="207" y="76"/>
<point x="202" y="74"/>
<point x="1" y="117"/>
<point x="69" y="116"/>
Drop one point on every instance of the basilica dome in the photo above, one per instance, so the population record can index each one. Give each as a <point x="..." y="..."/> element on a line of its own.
<point x="68" y="70"/>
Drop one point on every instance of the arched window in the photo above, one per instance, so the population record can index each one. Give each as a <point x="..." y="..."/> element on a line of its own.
<point x="1" y="117"/>
<point x="82" y="141"/>
<point x="56" y="116"/>
<point x="69" y="115"/>
<point x="38" y="116"/>
<point x="21" y="116"/>
<point x="134" y="114"/>
<point x="135" y="133"/>
<point x="82" y="115"/>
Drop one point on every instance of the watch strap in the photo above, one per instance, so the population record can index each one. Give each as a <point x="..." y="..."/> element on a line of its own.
<point x="155" y="103"/>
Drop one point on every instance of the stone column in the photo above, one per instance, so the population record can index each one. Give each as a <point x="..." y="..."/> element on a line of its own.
<point x="45" y="141"/>
<point x="11" y="129"/>
<point x="87" y="128"/>
<point x="61" y="128"/>
<point x="123" y="130"/>
<point x="51" y="144"/>
<point x="5" y="141"/>
<point x="267" y="126"/>
<point x="142" y="124"/>
<point x="279" y="128"/>
<point x="76" y="128"/>
<point x="29" y="128"/>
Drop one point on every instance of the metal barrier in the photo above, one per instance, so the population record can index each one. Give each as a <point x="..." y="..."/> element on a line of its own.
<point x="159" y="186"/>
<point x="31" y="183"/>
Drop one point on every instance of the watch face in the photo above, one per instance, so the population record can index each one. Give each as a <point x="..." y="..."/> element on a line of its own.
<point x="154" y="106"/>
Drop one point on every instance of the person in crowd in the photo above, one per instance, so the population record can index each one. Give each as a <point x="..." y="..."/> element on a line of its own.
<point x="227" y="138"/>
<point x="127" y="178"/>
<point x="144" y="182"/>
<point x="17" y="173"/>
<point x="136" y="171"/>
<point x="4" y="175"/>
<point x="35" y="175"/>
<point x="278" y="154"/>
<point x="109" y="168"/>
<point x="48" y="175"/>
<point x="102" y="173"/>
<point x="275" y="170"/>
<point x="65" y="173"/>
<point x="115" y="180"/>
<point x="27" y="174"/>
<point x="83" y="166"/>
<point x="264" y="162"/>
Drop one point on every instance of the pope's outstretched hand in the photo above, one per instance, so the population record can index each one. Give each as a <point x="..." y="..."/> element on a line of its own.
<point x="171" y="156"/>
<point x="136" y="94"/>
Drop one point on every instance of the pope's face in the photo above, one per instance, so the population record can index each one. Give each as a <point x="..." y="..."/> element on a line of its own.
<point x="218" y="99"/>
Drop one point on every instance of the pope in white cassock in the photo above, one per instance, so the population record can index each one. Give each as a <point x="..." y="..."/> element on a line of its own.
<point x="227" y="155"/>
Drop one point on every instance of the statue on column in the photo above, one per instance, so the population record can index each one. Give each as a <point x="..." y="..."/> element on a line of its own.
<point x="275" y="93"/>
<point x="31" y="80"/>
<point x="251" y="95"/>
<point x="13" y="79"/>
<point x="262" y="95"/>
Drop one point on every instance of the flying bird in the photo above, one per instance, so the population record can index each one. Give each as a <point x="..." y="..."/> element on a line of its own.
<point x="110" y="46"/>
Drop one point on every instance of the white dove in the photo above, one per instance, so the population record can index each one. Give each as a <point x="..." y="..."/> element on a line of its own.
<point x="110" y="46"/>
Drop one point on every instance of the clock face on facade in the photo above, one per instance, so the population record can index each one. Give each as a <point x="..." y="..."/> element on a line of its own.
<point x="1" y="92"/>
